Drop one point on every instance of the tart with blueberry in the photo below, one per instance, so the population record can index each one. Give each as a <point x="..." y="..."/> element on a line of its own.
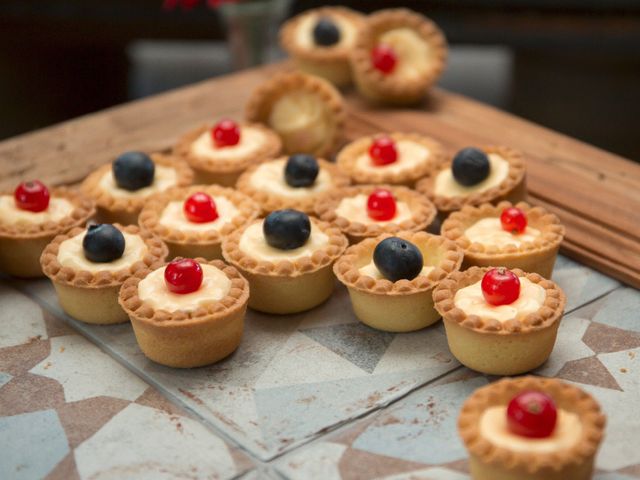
<point x="188" y="313"/>
<point x="192" y="221"/>
<point x="391" y="278"/>
<point x="475" y="176"/>
<point x="30" y="217"/>
<point x="531" y="428"/>
<point x="306" y="111"/>
<point x="499" y="321"/>
<point x="396" y="158"/>
<point x="218" y="154"/>
<point x="291" y="182"/>
<point x="122" y="187"/>
<point x="287" y="258"/>
<point x="320" y="41"/>
<point x="87" y="267"/>
<point x="398" y="55"/>
<point x="366" y="211"/>
<point x="519" y="236"/>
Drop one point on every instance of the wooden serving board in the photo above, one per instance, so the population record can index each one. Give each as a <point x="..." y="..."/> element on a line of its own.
<point x="596" y="194"/>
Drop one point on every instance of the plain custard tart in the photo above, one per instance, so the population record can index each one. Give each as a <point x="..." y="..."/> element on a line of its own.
<point x="286" y="280"/>
<point x="396" y="158"/>
<point x="403" y="305"/>
<point x="348" y="209"/>
<point x="218" y="163"/>
<point x="306" y="111"/>
<point x="485" y="241"/>
<point x="167" y="215"/>
<point x="186" y="330"/>
<point x="121" y="205"/>
<point x="398" y="55"/>
<point x="270" y="185"/>
<point x="497" y="452"/>
<point x="88" y="290"/>
<point x="320" y="41"/>
<point x="500" y="340"/>
<point x="24" y="234"/>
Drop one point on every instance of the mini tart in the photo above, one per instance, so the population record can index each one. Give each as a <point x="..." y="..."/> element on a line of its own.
<point x="224" y="165"/>
<point x="204" y="243"/>
<point x="405" y="171"/>
<point x="499" y="348"/>
<point x="512" y="188"/>
<point x="306" y="111"/>
<point x="288" y="286"/>
<point x="489" y="461"/>
<point x="21" y="244"/>
<point x="329" y="62"/>
<point x="92" y="297"/>
<point x="299" y="198"/>
<point x="125" y="210"/>
<point x="422" y="212"/>
<point x="536" y="256"/>
<point x="397" y="87"/>
<point x="188" y="338"/>
<point x="405" y="305"/>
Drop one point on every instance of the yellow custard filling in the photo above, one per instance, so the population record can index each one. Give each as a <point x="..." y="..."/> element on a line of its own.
<point x="251" y="139"/>
<point x="413" y="53"/>
<point x="372" y="271"/>
<point x="269" y="177"/>
<point x="354" y="209"/>
<point x="174" y="218"/>
<point x="164" y="177"/>
<point x="253" y="244"/>
<point x="447" y="186"/>
<point x="410" y="155"/>
<point x="304" y="32"/>
<point x="10" y="214"/>
<point x="489" y="231"/>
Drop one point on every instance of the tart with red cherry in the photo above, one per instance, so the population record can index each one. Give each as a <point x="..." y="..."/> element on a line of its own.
<point x="193" y="220"/>
<point x="31" y="216"/>
<point x="531" y="428"/>
<point x="500" y="321"/>
<point x="367" y="211"/>
<point x="512" y="236"/>
<point x="188" y="313"/>
<point x="219" y="153"/>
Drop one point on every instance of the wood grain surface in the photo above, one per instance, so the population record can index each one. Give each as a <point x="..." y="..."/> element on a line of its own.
<point x="596" y="194"/>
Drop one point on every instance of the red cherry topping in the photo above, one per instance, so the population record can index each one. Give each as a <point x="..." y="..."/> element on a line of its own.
<point x="513" y="220"/>
<point x="381" y="205"/>
<point x="532" y="414"/>
<point x="384" y="58"/>
<point x="200" y="208"/>
<point x="183" y="275"/>
<point x="383" y="151"/>
<point x="500" y="286"/>
<point x="225" y="133"/>
<point x="32" y="196"/>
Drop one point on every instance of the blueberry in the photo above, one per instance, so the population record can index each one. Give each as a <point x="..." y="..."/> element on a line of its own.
<point x="398" y="259"/>
<point x="470" y="166"/>
<point x="286" y="229"/>
<point x="326" y="33"/>
<point x="103" y="243"/>
<point x="301" y="170"/>
<point x="133" y="170"/>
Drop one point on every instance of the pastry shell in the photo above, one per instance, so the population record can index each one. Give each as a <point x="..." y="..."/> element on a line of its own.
<point x="22" y="245"/>
<point x="499" y="348"/>
<point x="262" y="99"/>
<point x="423" y="212"/>
<point x="537" y="256"/>
<point x="330" y="63"/>
<point x="347" y="160"/>
<point x="270" y="201"/>
<point x="391" y="89"/>
<point x="490" y="461"/>
<point x="225" y="170"/>
<point x="186" y="339"/>
<point x="288" y="286"/>
<point x="405" y="305"/>
<point x="126" y="210"/>
<point x="92" y="297"/>
<point x="512" y="188"/>
<point x="184" y="243"/>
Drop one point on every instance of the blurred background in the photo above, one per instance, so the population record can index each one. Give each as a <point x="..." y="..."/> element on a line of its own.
<point x="571" y="65"/>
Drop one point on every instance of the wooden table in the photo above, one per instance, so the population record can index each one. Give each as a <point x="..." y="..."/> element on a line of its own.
<point x="595" y="193"/>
